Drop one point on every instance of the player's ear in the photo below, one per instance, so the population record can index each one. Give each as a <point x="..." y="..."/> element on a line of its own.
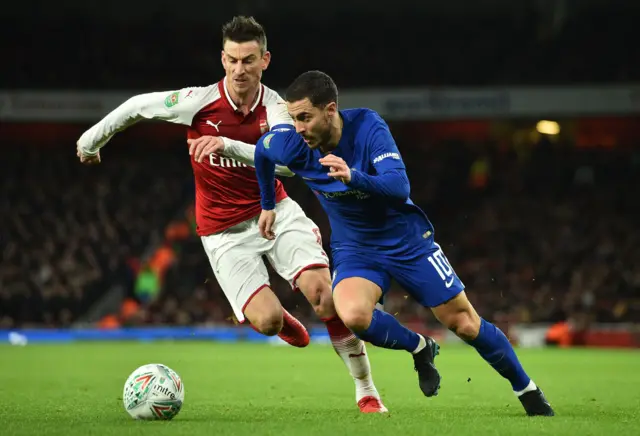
<point x="222" y="57"/>
<point x="331" y="108"/>
<point x="266" y="60"/>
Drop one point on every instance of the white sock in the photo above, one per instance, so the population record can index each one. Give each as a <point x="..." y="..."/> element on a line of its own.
<point x="364" y="383"/>
<point x="530" y="387"/>
<point x="353" y="353"/>
<point x="421" y="345"/>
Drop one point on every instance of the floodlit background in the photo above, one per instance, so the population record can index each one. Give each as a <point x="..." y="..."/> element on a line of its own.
<point x="519" y="125"/>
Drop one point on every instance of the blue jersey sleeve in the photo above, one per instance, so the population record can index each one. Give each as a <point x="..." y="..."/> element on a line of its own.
<point x="268" y="153"/>
<point x="391" y="177"/>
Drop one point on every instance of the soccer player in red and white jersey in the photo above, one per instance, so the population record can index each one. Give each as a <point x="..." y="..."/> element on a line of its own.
<point x="239" y="107"/>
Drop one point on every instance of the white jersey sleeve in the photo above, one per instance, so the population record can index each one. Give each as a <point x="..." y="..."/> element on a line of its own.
<point x="174" y="106"/>
<point x="277" y="113"/>
<point x="243" y="152"/>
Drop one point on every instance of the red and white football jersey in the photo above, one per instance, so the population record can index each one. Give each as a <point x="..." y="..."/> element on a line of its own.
<point x="227" y="191"/>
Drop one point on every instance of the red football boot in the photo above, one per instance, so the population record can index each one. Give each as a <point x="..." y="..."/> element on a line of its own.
<point x="293" y="332"/>
<point x="371" y="404"/>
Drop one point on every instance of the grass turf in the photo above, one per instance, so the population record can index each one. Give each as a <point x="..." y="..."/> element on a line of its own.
<point x="251" y="389"/>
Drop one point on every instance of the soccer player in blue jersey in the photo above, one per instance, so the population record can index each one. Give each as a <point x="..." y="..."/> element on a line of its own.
<point x="350" y="161"/>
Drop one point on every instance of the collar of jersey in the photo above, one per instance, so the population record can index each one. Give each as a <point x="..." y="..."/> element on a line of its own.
<point x="233" y="105"/>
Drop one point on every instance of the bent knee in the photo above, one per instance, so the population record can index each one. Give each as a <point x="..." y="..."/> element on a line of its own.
<point x="323" y="303"/>
<point x="459" y="316"/>
<point x="355" y="300"/>
<point x="466" y="325"/>
<point x="315" y="285"/>
<point x="356" y="319"/>
<point x="264" y="312"/>
<point x="268" y="324"/>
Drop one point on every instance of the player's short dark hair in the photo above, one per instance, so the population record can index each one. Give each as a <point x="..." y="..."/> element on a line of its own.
<point x="317" y="86"/>
<point x="244" y="29"/>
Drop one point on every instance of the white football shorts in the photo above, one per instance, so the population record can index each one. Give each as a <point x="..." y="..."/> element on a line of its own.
<point x="236" y="254"/>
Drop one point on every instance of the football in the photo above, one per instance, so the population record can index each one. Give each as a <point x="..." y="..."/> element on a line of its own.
<point x="153" y="392"/>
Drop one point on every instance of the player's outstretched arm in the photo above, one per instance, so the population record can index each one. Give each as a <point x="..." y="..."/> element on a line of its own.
<point x="245" y="153"/>
<point x="173" y="106"/>
<point x="203" y="146"/>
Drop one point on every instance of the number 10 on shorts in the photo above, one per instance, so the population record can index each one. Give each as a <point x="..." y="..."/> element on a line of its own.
<point x="442" y="266"/>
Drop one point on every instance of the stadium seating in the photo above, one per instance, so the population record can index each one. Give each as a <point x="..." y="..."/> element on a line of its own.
<point x="68" y="231"/>
<point x="536" y="238"/>
<point x="536" y="243"/>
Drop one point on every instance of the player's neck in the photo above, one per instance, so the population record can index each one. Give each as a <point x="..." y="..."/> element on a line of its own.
<point x="335" y="134"/>
<point x="243" y="101"/>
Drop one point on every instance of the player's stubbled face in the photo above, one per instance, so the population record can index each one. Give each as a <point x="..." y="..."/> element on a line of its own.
<point x="244" y="63"/>
<point x="312" y="123"/>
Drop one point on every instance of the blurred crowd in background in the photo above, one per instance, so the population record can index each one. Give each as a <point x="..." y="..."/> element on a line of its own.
<point x="537" y="236"/>
<point x="538" y="233"/>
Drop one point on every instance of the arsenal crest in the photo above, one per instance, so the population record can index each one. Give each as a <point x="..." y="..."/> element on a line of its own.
<point x="264" y="127"/>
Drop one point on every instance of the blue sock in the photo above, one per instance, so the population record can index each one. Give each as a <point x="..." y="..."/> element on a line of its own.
<point x="494" y="347"/>
<point x="385" y="331"/>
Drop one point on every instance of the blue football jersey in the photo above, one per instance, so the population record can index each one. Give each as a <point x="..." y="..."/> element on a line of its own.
<point x="374" y="210"/>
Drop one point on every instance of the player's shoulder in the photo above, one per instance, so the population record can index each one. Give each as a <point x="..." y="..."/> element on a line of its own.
<point x="362" y="117"/>
<point x="270" y="97"/>
<point x="281" y="138"/>
<point x="365" y="124"/>
<point x="193" y="96"/>
<point x="209" y="91"/>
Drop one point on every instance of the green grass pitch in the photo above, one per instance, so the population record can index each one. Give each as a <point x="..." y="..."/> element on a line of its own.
<point x="247" y="389"/>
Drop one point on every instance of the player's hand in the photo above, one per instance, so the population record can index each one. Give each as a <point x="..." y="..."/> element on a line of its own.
<point x="203" y="146"/>
<point x="338" y="168"/>
<point x="265" y="224"/>
<point x="86" y="158"/>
